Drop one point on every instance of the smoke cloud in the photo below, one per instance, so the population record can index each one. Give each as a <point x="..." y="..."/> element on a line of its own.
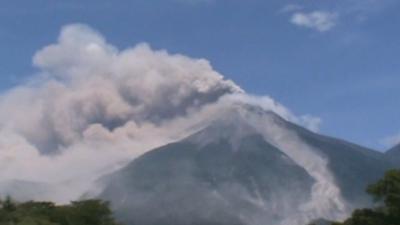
<point x="93" y="108"/>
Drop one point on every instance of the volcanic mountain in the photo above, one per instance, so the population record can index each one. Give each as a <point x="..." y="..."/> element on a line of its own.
<point x="248" y="166"/>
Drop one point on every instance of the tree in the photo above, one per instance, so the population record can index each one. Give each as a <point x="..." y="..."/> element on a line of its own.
<point x="8" y="204"/>
<point x="88" y="212"/>
<point x="387" y="193"/>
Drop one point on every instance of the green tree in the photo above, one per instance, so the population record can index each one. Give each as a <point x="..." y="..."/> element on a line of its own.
<point x="387" y="194"/>
<point x="8" y="204"/>
<point x="388" y="191"/>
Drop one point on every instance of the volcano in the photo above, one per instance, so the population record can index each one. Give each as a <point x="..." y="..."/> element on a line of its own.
<point x="248" y="166"/>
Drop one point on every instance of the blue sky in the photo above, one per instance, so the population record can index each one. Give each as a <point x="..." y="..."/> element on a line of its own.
<point x="338" y="60"/>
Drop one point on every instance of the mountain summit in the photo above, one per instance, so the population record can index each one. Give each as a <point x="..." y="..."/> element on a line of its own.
<point x="245" y="167"/>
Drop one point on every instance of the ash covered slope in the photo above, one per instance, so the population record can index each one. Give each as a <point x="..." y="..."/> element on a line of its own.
<point x="247" y="167"/>
<point x="354" y="167"/>
<point x="225" y="174"/>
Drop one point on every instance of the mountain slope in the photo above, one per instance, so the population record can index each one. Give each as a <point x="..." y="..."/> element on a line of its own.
<point x="354" y="166"/>
<point x="393" y="155"/>
<point x="249" y="166"/>
<point x="214" y="181"/>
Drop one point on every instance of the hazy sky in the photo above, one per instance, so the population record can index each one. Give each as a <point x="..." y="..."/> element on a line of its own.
<point x="337" y="60"/>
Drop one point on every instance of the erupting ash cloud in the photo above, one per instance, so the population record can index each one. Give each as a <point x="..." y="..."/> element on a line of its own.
<point x="93" y="108"/>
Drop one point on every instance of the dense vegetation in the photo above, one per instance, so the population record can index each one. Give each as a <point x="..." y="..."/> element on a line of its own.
<point x="88" y="212"/>
<point x="387" y="194"/>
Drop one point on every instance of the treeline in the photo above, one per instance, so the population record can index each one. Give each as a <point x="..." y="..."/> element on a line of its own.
<point x="88" y="212"/>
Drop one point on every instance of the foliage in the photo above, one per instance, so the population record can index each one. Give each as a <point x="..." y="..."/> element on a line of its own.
<point x="88" y="212"/>
<point x="387" y="193"/>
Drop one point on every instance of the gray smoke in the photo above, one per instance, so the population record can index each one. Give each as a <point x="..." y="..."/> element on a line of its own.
<point x="93" y="107"/>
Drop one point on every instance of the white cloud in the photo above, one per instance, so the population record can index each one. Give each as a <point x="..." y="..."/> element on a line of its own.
<point x="319" y="20"/>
